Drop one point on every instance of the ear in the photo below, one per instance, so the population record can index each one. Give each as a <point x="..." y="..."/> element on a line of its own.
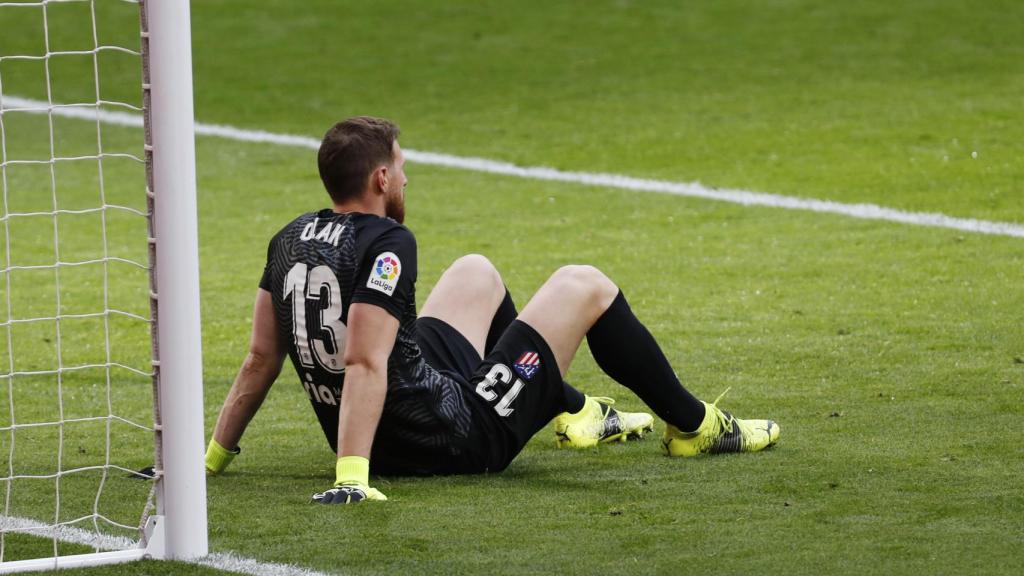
<point x="381" y="178"/>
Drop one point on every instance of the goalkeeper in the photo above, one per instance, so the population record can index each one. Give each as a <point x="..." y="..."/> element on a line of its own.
<point x="461" y="388"/>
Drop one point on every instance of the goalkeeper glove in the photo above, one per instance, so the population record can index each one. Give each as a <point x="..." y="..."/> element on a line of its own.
<point x="218" y="457"/>
<point x="351" y="484"/>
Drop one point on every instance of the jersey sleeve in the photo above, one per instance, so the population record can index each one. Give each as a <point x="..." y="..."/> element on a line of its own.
<point x="387" y="275"/>
<point x="266" y="280"/>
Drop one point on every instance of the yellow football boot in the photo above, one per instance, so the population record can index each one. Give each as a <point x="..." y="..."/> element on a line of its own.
<point x="599" y="422"/>
<point x="720" y="432"/>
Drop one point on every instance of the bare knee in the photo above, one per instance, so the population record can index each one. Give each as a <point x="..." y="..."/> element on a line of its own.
<point x="587" y="283"/>
<point x="477" y="270"/>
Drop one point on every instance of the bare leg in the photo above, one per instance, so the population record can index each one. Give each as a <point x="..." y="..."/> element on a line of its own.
<point x="566" y="306"/>
<point x="466" y="298"/>
<point x="580" y="301"/>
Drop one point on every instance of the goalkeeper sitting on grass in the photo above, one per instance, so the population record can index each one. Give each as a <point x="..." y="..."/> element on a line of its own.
<point x="461" y="388"/>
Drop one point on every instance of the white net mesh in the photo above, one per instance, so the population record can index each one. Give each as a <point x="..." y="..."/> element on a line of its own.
<point x="75" y="336"/>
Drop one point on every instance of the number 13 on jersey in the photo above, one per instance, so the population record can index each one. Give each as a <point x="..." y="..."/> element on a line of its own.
<point x="324" y="345"/>
<point x="501" y="378"/>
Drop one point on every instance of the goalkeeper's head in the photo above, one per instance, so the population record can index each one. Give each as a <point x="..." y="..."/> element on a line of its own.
<point x="360" y="160"/>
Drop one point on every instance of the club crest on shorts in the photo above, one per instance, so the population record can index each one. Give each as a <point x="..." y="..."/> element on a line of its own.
<point x="528" y="364"/>
<point x="384" y="275"/>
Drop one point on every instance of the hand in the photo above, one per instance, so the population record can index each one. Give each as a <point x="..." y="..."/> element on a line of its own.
<point x="351" y="484"/>
<point x="348" y="494"/>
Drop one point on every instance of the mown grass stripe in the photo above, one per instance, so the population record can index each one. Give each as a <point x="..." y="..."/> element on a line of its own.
<point x="604" y="180"/>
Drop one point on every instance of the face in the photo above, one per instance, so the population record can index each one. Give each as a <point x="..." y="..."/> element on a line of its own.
<point x="394" y="194"/>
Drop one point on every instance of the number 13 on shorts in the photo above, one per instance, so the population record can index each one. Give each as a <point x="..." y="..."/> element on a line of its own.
<point x="498" y="379"/>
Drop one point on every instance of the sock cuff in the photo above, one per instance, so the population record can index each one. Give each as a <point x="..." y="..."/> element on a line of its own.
<point x="617" y="304"/>
<point x="218" y="457"/>
<point x="352" y="470"/>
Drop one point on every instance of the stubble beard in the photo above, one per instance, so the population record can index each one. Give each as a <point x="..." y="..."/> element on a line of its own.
<point x="394" y="207"/>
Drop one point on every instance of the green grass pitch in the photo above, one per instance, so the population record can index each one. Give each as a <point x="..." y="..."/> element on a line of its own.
<point x="891" y="355"/>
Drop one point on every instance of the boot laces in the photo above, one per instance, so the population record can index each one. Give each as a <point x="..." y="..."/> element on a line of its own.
<point x="724" y="422"/>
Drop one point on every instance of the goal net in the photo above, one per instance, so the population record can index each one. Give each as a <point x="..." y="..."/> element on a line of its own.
<point x="96" y="384"/>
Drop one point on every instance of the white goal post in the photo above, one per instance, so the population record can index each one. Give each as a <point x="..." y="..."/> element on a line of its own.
<point x="178" y="347"/>
<point x="174" y="522"/>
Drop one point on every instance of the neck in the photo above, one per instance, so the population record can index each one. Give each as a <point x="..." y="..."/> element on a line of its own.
<point x="367" y="205"/>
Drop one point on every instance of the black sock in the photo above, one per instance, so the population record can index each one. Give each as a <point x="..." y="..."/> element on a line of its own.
<point x="504" y="316"/>
<point x="574" y="399"/>
<point x="627" y="352"/>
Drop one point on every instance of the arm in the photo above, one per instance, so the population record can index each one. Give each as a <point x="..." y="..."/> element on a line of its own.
<point x="257" y="374"/>
<point x="379" y="302"/>
<point x="371" y="336"/>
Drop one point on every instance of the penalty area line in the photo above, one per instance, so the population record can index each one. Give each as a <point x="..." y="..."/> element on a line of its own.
<point x="225" y="561"/>
<point x="599" y="179"/>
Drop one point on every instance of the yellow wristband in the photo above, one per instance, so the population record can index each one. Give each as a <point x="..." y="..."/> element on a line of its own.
<point x="218" y="457"/>
<point x="352" y="470"/>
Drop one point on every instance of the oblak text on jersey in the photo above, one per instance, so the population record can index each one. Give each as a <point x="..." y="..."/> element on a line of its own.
<point x="330" y="233"/>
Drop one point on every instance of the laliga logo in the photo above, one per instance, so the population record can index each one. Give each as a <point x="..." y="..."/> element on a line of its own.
<point x="385" y="273"/>
<point x="387" y="267"/>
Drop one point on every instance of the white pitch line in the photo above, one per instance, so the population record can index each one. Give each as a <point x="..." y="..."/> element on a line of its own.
<point x="229" y="562"/>
<point x="688" y="189"/>
<point x="225" y="561"/>
<point x="69" y="534"/>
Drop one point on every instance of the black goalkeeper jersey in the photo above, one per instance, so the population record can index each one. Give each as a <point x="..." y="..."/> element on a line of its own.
<point x="317" y="267"/>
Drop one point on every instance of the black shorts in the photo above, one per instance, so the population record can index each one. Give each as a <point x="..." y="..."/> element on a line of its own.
<point x="513" y="393"/>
